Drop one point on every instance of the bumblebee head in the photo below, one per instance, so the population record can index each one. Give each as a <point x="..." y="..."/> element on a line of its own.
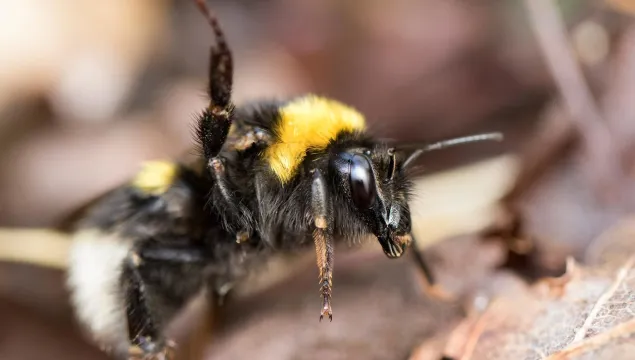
<point x="375" y="180"/>
<point x="369" y="179"/>
<point x="377" y="188"/>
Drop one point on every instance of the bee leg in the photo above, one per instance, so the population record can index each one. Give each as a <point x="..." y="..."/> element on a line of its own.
<point x="143" y="331"/>
<point x="216" y="120"/>
<point x="430" y="284"/>
<point x="214" y="123"/>
<point x="152" y="295"/>
<point x="231" y="203"/>
<point x="323" y="241"/>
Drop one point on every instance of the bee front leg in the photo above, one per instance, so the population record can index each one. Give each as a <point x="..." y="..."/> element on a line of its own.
<point x="323" y="238"/>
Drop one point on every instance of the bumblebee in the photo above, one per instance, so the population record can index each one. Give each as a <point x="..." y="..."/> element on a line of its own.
<point x="270" y="177"/>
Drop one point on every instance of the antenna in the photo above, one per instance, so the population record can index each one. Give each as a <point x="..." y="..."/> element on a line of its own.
<point x="495" y="136"/>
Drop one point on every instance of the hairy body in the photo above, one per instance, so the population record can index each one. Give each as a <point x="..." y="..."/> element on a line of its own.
<point x="270" y="177"/>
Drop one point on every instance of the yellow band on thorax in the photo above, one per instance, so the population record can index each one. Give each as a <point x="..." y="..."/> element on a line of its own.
<point x="310" y="122"/>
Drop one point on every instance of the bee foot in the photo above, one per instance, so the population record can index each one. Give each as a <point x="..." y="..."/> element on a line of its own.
<point x="165" y="352"/>
<point x="437" y="292"/>
<point x="326" y="309"/>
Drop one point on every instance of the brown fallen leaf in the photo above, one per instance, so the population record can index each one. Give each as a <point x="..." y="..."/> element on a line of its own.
<point x="589" y="313"/>
<point x="480" y="292"/>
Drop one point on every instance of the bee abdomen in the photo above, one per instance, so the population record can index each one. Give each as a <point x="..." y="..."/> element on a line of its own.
<point x="95" y="267"/>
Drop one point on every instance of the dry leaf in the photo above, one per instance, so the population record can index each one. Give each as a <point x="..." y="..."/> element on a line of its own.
<point x="589" y="313"/>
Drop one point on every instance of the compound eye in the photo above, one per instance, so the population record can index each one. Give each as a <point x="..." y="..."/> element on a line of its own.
<point x="363" y="188"/>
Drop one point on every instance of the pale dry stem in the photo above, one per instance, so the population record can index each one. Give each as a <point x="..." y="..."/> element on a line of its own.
<point x="619" y="279"/>
<point x="477" y="330"/>
<point x="550" y="31"/>
<point x="624" y="329"/>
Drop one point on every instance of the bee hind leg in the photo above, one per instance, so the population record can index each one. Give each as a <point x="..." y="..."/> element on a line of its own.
<point x="156" y="283"/>
<point x="214" y="125"/>
<point x="146" y="340"/>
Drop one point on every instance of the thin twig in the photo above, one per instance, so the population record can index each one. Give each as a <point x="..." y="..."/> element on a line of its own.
<point x="618" y="105"/>
<point x="624" y="329"/>
<point x="551" y="140"/>
<point x="40" y="247"/>
<point x="619" y="279"/>
<point x="477" y="329"/>
<point x="548" y="25"/>
<point x="475" y="335"/>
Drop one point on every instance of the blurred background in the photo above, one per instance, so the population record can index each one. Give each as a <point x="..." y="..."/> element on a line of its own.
<point x="89" y="89"/>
